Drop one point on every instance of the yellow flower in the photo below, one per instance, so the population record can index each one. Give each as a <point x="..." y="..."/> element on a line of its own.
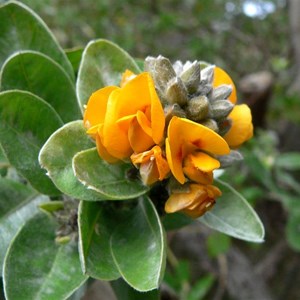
<point x="221" y="77"/>
<point x="153" y="166"/>
<point x="196" y="202"/>
<point x="127" y="119"/>
<point x="189" y="148"/>
<point x="241" y="129"/>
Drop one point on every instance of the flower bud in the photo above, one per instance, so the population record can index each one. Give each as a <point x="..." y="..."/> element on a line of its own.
<point x="172" y="111"/>
<point x="160" y="69"/>
<point x="197" y="108"/>
<point x="224" y="126"/>
<point x="191" y="77"/>
<point x="176" y="92"/>
<point x="211" y="124"/>
<point x="222" y="92"/>
<point x="231" y="158"/>
<point x="207" y="74"/>
<point x="220" y="109"/>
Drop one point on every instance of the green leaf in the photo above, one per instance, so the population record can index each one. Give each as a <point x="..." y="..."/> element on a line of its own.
<point x="111" y="180"/>
<point x="179" y="276"/>
<point x="96" y="222"/>
<point x="26" y="121"/>
<point x="125" y="292"/>
<point x="233" y="215"/>
<point x="37" y="268"/>
<point x="102" y="64"/>
<point x="138" y="247"/>
<point x="74" y="55"/>
<point x="51" y="206"/>
<point x="217" y="243"/>
<point x="201" y="288"/>
<point x="56" y="157"/>
<point x="289" y="161"/>
<point x="39" y="74"/>
<point x="4" y="164"/>
<point x="18" y="203"/>
<point x="22" y="29"/>
<point x="293" y="230"/>
<point x="260" y="171"/>
<point x="176" y="221"/>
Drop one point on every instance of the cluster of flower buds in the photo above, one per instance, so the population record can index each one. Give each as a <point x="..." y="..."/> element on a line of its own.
<point x="187" y="91"/>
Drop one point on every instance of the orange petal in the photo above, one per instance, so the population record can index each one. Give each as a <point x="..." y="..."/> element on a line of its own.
<point x="96" y="107"/>
<point x="144" y="122"/>
<point x="183" y="130"/>
<point x="174" y="158"/>
<point x="195" y="173"/>
<point x="124" y="123"/>
<point x="139" y="140"/>
<point x="126" y="76"/>
<point x="203" y="161"/>
<point x="114" y="139"/>
<point x="196" y="202"/>
<point x="157" y="114"/>
<point x="242" y="128"/>
<point x="221" y="77"/>
<point x="179" y="201"/>
<point x="103" y="152"/>
<point x="184" y="136"/>
<point x="161" y="163"/>
<point x="134" y="96"/>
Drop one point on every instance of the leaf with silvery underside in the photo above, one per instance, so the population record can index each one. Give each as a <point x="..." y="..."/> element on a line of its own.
<point x="111" y="180"/>
<point x="41" y="75"/>
<point x="23" y="29"/>
<point x="233" y="215"/>
<point x="56" y="157"/>
<point x="26" y="122"/>
<point x="37" y="268"/>
<point x="102" y="64"/>
<point x="18" y="203"/>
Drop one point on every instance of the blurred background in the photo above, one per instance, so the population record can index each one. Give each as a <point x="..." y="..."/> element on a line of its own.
<point x="258" y="43"/>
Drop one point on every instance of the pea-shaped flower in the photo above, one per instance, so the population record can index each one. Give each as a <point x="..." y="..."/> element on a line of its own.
<point x="125" y="120"/>
<point x="195" y="202"/>
<point x="190" y="148"/>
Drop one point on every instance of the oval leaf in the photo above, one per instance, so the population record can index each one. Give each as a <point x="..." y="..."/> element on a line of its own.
<point x="96" y="222"/>
<point x="233" y="215"/>
<point x="22" y="29"/>
<point x="110" y="180"/>
<point x="56" y="157"/>
<point x="26" y="121"/>
<point x="139" y="248"/>
<point x="39" y="74"/>
<point x="102" y="64"/>
<point x="18" y="203"/>
<point x="37" y="268"/>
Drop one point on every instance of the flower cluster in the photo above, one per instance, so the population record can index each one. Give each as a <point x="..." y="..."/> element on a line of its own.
<point x="173" y="122"/>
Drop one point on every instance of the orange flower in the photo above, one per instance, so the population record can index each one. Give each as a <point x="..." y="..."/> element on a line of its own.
<point x="189" y="150"/>
<point x="196" y="202"/>
<point x="221" y="77"/>
<point x="153" y="166"/>
<point x="125" y="120"/>
<point x="241" y="129"/>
